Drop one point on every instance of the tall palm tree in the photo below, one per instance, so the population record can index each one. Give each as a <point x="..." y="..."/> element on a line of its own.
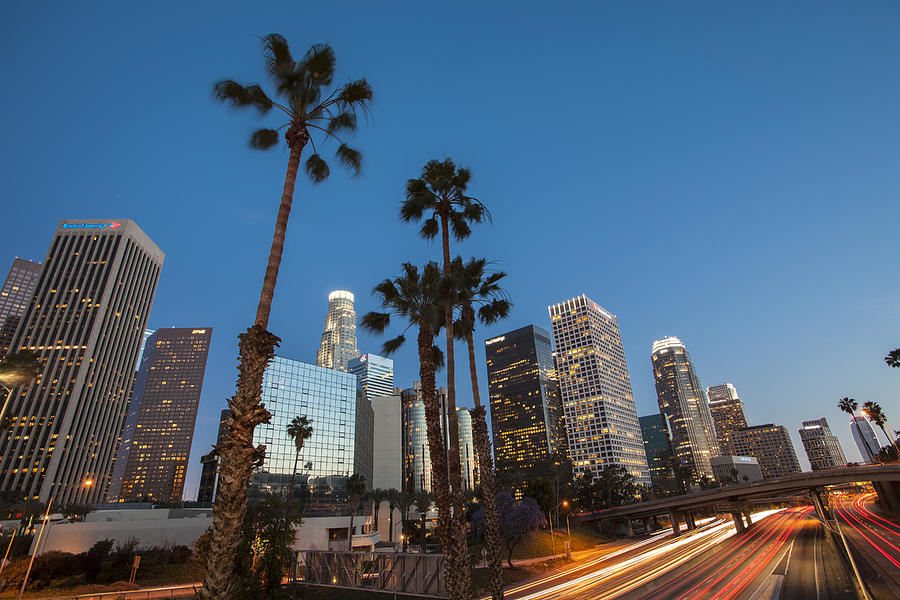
<point x="876" y="414"/>
<point x="438" y="198"/>
<point x="475" y="287"/>
<point x="423" y="500"/>
<point x="377" y="496"/>
<point x="392" y="495"/>
<point x="16" y="368"/>
<point x="310" y="106"/>
<point x="849" y="406"/>
<point x="300" y="429"/>
<point x="893" y="358"/>
<point x="416" y="297"/>
<point x="404" y="503"/>
<point x="356" y="490"/>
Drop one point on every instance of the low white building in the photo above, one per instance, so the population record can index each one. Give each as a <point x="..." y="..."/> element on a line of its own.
<point x="747" y="468"/>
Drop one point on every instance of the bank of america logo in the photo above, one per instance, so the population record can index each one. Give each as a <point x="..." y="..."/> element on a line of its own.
<point x="113" y="225"/>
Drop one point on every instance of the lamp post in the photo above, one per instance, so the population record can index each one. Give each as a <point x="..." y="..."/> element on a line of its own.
<point x="565" y="504"/>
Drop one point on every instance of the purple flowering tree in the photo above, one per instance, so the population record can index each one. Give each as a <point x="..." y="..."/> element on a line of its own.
<point x="516" y="519"/>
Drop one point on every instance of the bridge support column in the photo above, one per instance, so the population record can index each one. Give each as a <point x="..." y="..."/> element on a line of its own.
<point x="747" y="518"/>
<point x="820" y="510"/>
<point x="889" y="495"/>
<point x="629" y="530"/>
<point x="647" y="524"/>
<point x="689" y="521"/>
<point x="738" y="521"/>
<point x="675" y="519"/>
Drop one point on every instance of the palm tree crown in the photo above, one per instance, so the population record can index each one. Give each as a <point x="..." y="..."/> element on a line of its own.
<point x="300" y="429"/>
<point x="474" y="286"/>
<point x="893" y="358"/>
<point x="438" y="196"/>
<point x="848" y="405"/>
<point x="308" y="101"/>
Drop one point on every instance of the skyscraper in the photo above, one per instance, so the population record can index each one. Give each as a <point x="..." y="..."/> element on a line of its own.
<point x="375" y="373"/>
<point x="466" y="449"/>
<point x="864" y="436"/>
<point x="90" y="309"/>
<point x="601" y="419"/>
<point x="209" y="475"/>
<point x="15" y="296"/>
<point x="727" y="413"/>
<point x="658" y="448"/>
<point x="822" y="447"/>
<point x="770" y="445"/>
<point x="339" y="338"/>
<point x="152" y="460"/>
<point x="387" y="444"/>
<point x="342" y="421"/>
<point x="526" y="413"/>
<point x="684" y="403"/>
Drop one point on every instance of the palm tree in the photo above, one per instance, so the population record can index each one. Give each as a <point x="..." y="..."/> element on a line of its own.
<point x="356" y="490"/>
<point x="392" y="495"/>
<point x="416" y="297"/>
<point x="438" y="198"/>
<point x="893" y="358"/>
<point x="475" y="287"/>
<point x="377" y="496"/>
<point x="311" y="106"/>
<point x="300" y="429"/>
<point x="17" y="368"/>
<point x="423" y="501"/>
<point x="404" y="503"/>
<point x="849" y="406"/>
<point x="876" y="414"/>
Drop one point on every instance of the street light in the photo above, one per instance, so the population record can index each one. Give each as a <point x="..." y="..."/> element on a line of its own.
<point x="565" y="504"/>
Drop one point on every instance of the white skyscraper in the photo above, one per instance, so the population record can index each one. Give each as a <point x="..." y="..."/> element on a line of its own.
<point x="865" y="439"/>
<point x="601" y="420"/>
<point x="339" y="338"/>
<point x="375" y="373"/>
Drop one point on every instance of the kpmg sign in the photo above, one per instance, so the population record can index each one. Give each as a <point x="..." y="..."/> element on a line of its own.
<point x="112" y="225"/>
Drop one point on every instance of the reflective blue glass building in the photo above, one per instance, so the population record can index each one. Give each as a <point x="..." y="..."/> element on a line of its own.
<point x="341" y="443"/>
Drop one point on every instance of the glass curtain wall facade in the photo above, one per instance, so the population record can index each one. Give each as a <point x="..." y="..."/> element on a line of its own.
<point x="527" y="419"/>
<point x="375" y="373"/>
<point x="209" y="475"/>
<point x="770" y="445"/>
<point x="417" y="474"/>
<point x="85" y="321"/>
<point x="466" y="449"/>
<point x="822" y="447"/>
<point x="15" y="296"/>
<point x="342" y="441"/>
<point x="727" y="413"/>
<point x="338" y="345"/>
<point x="864" y="435"/>
<point x="658" y="448"/>
<point x="684" y="403"/>
<point x="152" y="460"/>
<point x="595" y="387"/>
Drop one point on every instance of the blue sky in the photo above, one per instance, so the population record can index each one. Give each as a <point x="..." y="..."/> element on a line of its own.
<point x="726" y="174"/>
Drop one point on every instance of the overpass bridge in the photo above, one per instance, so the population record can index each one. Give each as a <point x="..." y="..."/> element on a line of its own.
<point x="736" y="498"/>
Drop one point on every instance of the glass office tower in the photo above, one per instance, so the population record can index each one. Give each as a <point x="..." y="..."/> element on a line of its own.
<point x="375" y="373"/>
<point x="15" y="296"/>
<point x="727" y="413"/>
<point x="338" y="345"/>
<point x="769" y="444"/>
<point x="658" y="447"/>
<point x="526" y="413"/>
<point x="209" y="475"/>
<point x="342" y="422"/>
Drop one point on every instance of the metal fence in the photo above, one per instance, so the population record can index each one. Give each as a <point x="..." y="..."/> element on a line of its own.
<point x="414" y="574"/>
<point x="178" y="591"/>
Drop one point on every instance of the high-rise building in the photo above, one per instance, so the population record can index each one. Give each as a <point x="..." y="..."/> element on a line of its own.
<point x="15" y="296"/>
<point x="658" y="448"/>
<point x="339" y="338"/>
<point x="527" y="420"/>
<point x="770" y="445"/>
<point x="152" y="460"/>
<point x="375" y="373"/>
<point x="342" y="438"/>
<point x="736" y="469"/>
<point x="727" y="413"/>
<point x="387" y="453"/>
<point x="466" y="449"/>
<point x="89" y="311"/>
<point x="864" y="436"/>
<point x="595" y="388"/>
<point x="822" y="447"/>
<point x="209" y="476"/>
<point x="684" y="403"/>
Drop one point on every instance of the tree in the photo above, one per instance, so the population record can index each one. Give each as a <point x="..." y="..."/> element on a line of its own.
<point x="541" y="489"/>
<point x="516" y="519"/>
<point x="377" y="496"/>
<point x="266" y="546"/>
<point x="310" y="105"/>
<point x="300" y="429"/>
<point x="75" y="511"/>
<point x="874" y="412"/>
<point x="392" y="496"/>
<point x="356" y="490"/>
<point x="475" y="287"/>
<point x="404" y="503"/>
<point x="893" y="358"/>
<point x="415" y="296"/>
<point x="849" y="406"/>
<point x="423" y="500"/>
<point x="16" y="368"/>
<point x="438" y="199"/>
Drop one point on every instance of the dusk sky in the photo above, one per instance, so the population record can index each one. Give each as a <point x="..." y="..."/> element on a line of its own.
<point x="728" y="174"/>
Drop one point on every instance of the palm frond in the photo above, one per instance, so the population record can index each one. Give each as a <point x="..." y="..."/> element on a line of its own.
<point x="231" y="92"/>
<point x="430" y="228"/>
<point x="318" y="63"/>
<point x="350" y="157"/>
<point x="459" y="225"/>
<point x="391" y="346"/>
<point x="344" y="122"/>
<point x="263" y="139"/>
<point x="494" y="311"/>
<point x="437" y="357"/>
<point x="356" y="94"/>
<point x="375" y="321"/>
<point x="317" y="168"/>
<point x="277" y="52"/>
<point x="258" y="99"/>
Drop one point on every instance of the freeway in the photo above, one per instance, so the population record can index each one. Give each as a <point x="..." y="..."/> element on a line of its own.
<point x="875" y="540"/>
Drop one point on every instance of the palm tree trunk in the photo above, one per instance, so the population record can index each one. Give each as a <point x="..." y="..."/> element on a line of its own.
<point x="294" y="472"/>
<point x="350" y="532"/>
<point x="486" y="471"/>
<point x="237" y="453"/>
<point x="455" y="578"/>
<point x="893" y="441"/>
<point x="391" y="523"/>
